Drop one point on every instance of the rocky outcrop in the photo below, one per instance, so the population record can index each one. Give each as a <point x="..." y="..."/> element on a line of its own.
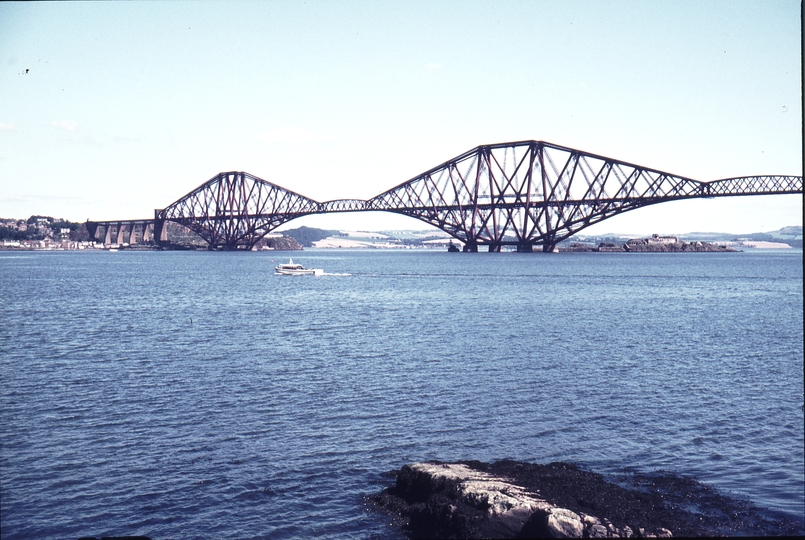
<point x="455" y="500"/>
<point x="509" y="499"/>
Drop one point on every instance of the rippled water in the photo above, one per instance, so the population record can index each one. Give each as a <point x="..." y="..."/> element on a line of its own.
<point x="197" y="395"/>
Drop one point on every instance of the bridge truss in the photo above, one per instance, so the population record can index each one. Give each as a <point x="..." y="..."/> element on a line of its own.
<point x="526" y="194"/>
<point x="235" y="209"/>
<point x="533" y="193"/>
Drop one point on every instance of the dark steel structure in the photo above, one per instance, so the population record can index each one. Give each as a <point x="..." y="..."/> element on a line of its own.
<point x="524" y="194"/>
<point x="235" y="209"/>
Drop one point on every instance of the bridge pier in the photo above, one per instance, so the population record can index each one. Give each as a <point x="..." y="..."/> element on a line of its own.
<point x="470" y="247"/>
<point x="160" y="231"/>
<point x="92" y="229"/>
<point x="525" y="247"/>
<point x="134" y="232"/>
<point x="494" y="248"/>
<point x="146" y="233"/>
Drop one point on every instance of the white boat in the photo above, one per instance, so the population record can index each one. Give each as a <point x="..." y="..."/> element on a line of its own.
<point x="293" y="269"/>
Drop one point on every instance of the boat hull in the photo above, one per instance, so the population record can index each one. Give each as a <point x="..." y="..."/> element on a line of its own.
<point x="292" y="269"/>
<point x="305" y="272"/>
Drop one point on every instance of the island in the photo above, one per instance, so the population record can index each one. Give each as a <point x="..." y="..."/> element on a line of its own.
<point x="653" y="244"/>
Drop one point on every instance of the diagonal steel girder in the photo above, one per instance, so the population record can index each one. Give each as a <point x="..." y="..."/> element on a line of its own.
<point x="236" y="209"/>
<point x="533" y="193"/>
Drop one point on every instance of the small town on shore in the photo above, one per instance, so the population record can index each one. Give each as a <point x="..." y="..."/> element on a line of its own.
<point x="45" y="233"/>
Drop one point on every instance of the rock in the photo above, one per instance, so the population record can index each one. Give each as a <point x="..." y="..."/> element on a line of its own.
<point x="509" y="499"/>
<point x="445" y="500"/>
<point x="503" y="507"/>
<point x="597" y="531"/>
<point x="563" y="523"/>
<point x="590" y="520"/>
<point x="448" y="500"/>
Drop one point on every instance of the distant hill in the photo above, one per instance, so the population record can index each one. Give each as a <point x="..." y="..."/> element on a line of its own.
<point x="307" y="235"/>
<point x="791" y="235"/>
<point x="794" y="231"/>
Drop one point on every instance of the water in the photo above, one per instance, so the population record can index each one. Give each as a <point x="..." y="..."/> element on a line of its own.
<point x="197" y="395"/>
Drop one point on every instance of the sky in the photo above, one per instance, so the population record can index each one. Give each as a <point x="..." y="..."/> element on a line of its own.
<point x="109" y="110"/>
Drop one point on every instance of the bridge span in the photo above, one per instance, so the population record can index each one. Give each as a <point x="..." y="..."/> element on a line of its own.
<point x="527" y="194"/>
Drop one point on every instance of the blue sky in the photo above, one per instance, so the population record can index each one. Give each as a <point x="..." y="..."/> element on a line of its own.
<point x="111" y="109"/>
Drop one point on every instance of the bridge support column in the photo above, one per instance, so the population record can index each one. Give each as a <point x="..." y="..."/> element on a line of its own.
<point x="550" y="243"/>
<point x="120" y="229"/>
<point x="92" y="229"/>
<point x="146" y="232"/>
<point x="107" y="237"/>
<point x="494" y="248"/>
<point x="470" y="247"/>
<point x="160" y="230"/>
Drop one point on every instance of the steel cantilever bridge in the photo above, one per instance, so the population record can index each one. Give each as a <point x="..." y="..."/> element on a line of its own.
<point x="524" y="194"/>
